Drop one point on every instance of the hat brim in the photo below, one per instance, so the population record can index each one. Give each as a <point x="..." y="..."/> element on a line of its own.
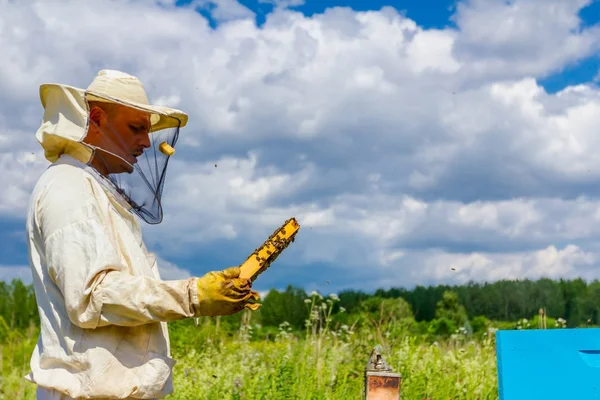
<point x="162" y="117"/>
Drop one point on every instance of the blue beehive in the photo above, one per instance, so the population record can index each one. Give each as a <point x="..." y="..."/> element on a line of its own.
<point x="548" y="364"/>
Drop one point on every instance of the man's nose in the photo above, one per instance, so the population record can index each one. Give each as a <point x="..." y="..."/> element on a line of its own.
<point x="145" y="141"/>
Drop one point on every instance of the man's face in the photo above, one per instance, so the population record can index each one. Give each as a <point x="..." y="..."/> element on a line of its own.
<point x="119" y="130"/>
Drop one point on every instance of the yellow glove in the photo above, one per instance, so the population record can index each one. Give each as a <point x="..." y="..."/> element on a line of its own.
<point x="224" y="293"/>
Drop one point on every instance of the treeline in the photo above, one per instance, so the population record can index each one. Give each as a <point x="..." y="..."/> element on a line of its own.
<point x="575" y="301"/>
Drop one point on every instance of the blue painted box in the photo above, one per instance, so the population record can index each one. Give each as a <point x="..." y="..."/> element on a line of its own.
<point x="548" y="364"/>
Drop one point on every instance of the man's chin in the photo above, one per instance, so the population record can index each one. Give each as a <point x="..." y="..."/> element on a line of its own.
<point x="132" y="160"/>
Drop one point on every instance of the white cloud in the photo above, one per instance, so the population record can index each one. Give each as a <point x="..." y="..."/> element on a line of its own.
<point x="504" y="39"/>
<point x="398" y="148"/>
<point x="170" y="271"/>
<point x="20" y="171"/>
<point x="547" y="262"/>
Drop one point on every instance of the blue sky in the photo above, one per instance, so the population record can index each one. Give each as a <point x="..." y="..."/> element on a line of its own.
<point x="435" y="144"/>
<point x="428" y="13"/>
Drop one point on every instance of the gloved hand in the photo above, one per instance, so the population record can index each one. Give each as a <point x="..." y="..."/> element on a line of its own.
<point x="224" y="293"/>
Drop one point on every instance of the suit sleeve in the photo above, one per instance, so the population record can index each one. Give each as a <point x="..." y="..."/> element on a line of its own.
<point x="98" y="289"/>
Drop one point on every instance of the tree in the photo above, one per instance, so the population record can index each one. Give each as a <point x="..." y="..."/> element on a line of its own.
<point x="387" y="310"/>
<point x="449" y="308"/>
<point x="289" y="305"/>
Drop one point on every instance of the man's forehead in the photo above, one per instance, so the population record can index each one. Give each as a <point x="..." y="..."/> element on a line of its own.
<point x="135" y="115"/>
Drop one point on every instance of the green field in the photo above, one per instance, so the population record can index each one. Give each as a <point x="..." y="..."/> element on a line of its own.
<point x="301" y="346"/>
<point x="324" y="365"/>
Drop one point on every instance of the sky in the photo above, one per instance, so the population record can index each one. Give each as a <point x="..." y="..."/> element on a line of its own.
<point x="416" y="142"/>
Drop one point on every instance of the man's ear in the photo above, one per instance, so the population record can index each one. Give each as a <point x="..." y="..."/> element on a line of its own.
<point x="97" y="120"/>
<point x="97" y="116"/>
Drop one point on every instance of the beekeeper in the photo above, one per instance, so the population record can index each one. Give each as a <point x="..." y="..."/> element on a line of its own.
<point x="102" y="304"/>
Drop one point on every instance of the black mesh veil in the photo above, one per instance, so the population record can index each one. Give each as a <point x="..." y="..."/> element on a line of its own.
<point x="133" y="158"/>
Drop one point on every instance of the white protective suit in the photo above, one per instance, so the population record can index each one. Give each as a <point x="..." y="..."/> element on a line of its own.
<point x="99" y="294"/>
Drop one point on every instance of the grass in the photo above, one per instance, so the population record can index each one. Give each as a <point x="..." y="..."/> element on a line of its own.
<point x="323" y="366"/>
<point x="323" y="362"/>
<point x="332" y="366"/>
<point x="15" y="353"/>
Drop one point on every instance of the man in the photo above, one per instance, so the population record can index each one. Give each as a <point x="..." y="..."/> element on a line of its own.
<point x="102" y="304"/>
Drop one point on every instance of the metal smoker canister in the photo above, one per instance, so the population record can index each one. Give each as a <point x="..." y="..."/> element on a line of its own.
<point x="381" y="383"/>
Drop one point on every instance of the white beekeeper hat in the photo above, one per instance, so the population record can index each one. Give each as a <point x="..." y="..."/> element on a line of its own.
<point x="65" y="126"/>
<point x="66" y="117"/>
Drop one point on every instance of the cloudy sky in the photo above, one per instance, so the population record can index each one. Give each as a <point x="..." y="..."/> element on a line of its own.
<point x="420" y="143"/>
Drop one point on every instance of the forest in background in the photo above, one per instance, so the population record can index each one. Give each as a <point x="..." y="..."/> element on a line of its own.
<point x="440" y="309"/>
